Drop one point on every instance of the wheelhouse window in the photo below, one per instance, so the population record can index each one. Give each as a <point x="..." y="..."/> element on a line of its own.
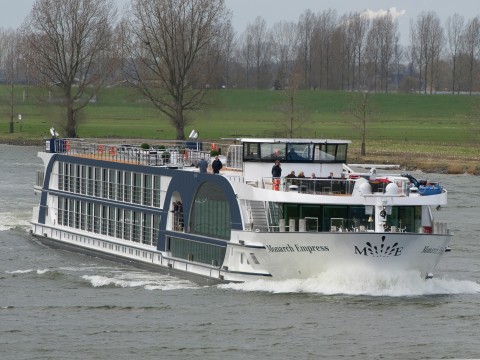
<point x="295" y="152"/>
<point x="270" y="151"/>
<point x="251" y="151"/>
<point x="300" y="152"/>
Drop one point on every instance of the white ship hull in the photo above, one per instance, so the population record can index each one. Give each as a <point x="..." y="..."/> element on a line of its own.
<point x="287" y="256"/>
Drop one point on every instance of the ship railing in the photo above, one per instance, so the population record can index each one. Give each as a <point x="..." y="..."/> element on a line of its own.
<point x="307" y="186"/>
<point x="166" y="153"/>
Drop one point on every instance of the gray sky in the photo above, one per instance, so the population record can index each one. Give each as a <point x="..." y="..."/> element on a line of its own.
<point x="13" y="12"/>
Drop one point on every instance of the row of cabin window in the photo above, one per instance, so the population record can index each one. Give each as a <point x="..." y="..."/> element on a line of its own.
<point x="109" y="220"/>
<point x="118" y="185"/>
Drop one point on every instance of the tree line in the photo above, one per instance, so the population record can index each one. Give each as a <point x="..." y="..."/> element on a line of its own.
<point x="174" y="51"/>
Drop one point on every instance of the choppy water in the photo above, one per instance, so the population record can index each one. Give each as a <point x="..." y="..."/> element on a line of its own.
<point x="60" y="305"/>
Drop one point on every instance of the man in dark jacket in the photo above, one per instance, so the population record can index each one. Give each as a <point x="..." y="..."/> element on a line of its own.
<point x="276" y="170"/>
<point x="216" y="165"/>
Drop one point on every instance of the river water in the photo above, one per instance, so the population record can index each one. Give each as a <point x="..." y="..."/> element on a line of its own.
<point x="60" y="305"/>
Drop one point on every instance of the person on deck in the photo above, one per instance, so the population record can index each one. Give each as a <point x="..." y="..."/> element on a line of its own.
<point x="276" y="170"/>
<point x="216" y="165"/>
<point x="202" y="165"/>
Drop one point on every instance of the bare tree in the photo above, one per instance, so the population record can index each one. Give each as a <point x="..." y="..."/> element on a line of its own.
<point x="362" y="112"/>
<point x="471" y="40"/>
<point x="9" y="65"/>
<point x="454" y="27"/>
<point x="261" y="50"/>
<point x="227" y="55"/>
<point x="347" y="38"/>
<point x="283" y="43"/>
<point x="389" y="36"/>
<point x="245" y="56"/>
<point x="69" y="42"/>
<point x="359" y="24"/>
<point x="398" y="57"/>
<point x="323" y="44"/>
<point x="305" y="35"/>
<point x="373" y="53"/>
<point x="294" y="114"/>
<point x="427" y="40"/>
<point x="170" y="45"/>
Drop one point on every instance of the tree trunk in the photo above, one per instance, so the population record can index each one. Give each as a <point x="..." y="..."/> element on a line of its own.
<point x="71" y="123"/>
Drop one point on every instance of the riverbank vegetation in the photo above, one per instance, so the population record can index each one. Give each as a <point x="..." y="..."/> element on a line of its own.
<point x="430" y="132"/>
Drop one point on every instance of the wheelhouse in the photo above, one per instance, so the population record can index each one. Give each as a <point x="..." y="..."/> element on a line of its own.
<point x="295" y="150"/>
<point x="318" y="156"/>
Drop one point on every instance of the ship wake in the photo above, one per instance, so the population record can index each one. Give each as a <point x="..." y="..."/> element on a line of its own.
<point x="394" y="284"/>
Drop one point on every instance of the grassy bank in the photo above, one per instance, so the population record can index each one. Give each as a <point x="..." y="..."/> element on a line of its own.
<point x="431" y="132"/>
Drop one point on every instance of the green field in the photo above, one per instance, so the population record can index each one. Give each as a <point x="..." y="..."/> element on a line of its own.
<point x="439" y="125"/>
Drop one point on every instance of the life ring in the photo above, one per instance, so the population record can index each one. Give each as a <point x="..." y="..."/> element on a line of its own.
<point x="112" y="151"/>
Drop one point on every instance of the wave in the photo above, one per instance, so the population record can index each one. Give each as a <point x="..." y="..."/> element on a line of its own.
<point x="135" y="279"/>
<point x="395" y="284"/>
<point x="28" y="271"/>
<point x="10" y="221"/>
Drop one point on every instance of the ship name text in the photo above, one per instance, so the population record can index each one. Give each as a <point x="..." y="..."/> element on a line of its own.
<point x="296" y="248"/>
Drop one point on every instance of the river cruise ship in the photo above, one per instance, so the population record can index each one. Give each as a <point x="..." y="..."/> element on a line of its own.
<point x="154" y="207"/>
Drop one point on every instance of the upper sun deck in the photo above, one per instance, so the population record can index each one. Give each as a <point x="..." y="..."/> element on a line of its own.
<point x="332" y="176"/>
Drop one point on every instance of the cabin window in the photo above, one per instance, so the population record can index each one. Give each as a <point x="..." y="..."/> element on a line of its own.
<point x="146" y="229"/>
<point x="111" y="220"/>
<point x="112" y="181"/>
<point x="120" y="187"/>
<point x="136" y="222"/>
<point x="83" y="206"/>
<point x="127" y="196"/>
<point x="60" y="176"/>
<point x="156" y="225"/>
<point x="147" y="190"/>
<point x="126" y="224"/>
<point x="90" y="181"/>
<point x="78" y="175"/>
<point x="98" y="182"/>
<point x="211" y="212"/>
<point x="96" y="218"/>
<point x="119" y="231"/>
<point x="104" y="219"/>
<point x="83" y="186"/>
<point x="71" y="178"/>
<point x="71" y="212"/>
<point x="156" y="191"/>
<point x="137" y="188"/>
<point x="104" y="183"/>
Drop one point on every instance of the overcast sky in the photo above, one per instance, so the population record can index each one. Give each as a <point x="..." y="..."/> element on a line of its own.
<point x="13" y="12"/>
